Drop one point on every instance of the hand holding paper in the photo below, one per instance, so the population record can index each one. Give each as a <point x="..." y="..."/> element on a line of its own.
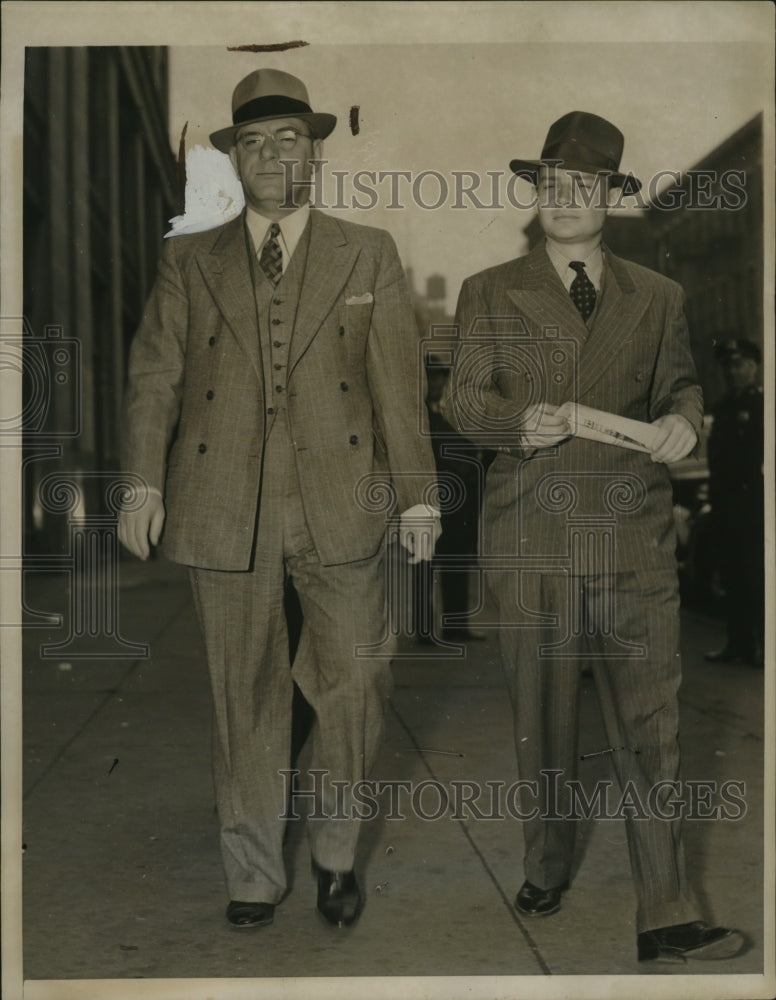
<point x="544" y="426"/>
<point x="668" y="439"/>
<point x="677" y="438"/>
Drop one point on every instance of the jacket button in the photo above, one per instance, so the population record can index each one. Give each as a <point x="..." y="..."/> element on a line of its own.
<point x="344" y="386"/>
<point x="270" y="410"/>
<point x="277" y="302"/>
<point x="278" y="388"/>
<point x="202" y="449"/>
<point x="342" y="331"/>
<point x="209" y="394"/>
<point x="354" y="438"/>
<point x="639" y="376"/>
<point x="212" y="341"/>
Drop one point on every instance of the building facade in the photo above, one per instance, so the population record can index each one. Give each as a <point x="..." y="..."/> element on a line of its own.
<point x="99" y="189"/>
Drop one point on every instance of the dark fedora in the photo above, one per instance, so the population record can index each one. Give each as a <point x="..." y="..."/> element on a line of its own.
<point x="582" y="141"/>
<point x="266" y="94"/>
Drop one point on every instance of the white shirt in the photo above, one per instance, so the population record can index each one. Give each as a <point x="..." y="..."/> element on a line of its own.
<point x="594" y="264"/>
<point x="291" y="229"/>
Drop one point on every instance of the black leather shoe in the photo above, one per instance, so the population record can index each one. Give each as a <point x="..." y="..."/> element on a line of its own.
<point x="532" y="901"/>
<point x="249" y="915"/>
<point x="339" y="899"/>
<point x="682" y="941"/>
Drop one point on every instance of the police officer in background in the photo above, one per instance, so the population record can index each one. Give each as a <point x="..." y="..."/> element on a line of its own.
<point x="737" y="501"/>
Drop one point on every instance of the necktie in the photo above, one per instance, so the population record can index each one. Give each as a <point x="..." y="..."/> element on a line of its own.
<point x="582" y="290"/>
<point x="271" y="259"/>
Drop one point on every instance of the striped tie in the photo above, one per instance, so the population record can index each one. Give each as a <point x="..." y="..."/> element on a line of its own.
<point x="271" y="259"/>
<point x="582" y="290"/>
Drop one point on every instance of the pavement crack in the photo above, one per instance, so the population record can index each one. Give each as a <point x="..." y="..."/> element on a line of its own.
<point x="532" y="945"/>
<point x="110" y="694"/>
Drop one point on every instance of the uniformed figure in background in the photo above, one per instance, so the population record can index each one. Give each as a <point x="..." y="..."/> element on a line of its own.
<point x="737" y="501"/>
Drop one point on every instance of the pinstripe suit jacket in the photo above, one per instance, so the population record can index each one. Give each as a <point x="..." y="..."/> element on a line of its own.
<point x="194" y="410"/>
<point x="523" y="340"/>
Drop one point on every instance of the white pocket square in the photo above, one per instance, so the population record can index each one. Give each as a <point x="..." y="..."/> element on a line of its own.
<point x="360" y="300"/>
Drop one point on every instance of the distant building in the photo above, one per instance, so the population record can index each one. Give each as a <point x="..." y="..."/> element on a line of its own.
<point x="716" y="253"/>
<point x="430" y="307"/>
<point x="99" y="189"/>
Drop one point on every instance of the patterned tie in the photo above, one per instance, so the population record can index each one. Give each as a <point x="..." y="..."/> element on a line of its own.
<point x="271" y="259"/>
<point x="582" y="290"/>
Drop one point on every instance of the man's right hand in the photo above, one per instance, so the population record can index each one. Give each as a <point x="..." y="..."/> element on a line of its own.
<point x="543" y="428"/>
<point x="139" y="527"/>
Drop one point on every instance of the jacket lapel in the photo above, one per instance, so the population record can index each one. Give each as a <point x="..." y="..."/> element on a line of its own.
<point x="541" y="297"/>
<point x="330" y="260"/>
<point x="620" y="311"/>
<point x="226" y="270"/>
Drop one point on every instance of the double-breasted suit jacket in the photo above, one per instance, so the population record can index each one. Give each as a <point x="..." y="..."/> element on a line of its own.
<point x="195" y="413"/>
<point x="579" y="542"/>
<point x="265" y="480"/>
<point x="531" y="345"/>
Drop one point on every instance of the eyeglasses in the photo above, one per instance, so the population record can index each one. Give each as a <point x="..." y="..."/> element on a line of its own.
<point x="284" y="139"/>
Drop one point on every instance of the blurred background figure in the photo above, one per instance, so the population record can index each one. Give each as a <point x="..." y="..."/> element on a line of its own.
<point x="454" y="455"/>
<point x="736" y="487"/>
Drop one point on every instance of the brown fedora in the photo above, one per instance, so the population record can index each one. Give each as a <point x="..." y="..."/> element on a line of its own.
<point x="266" y="94"/>
<point x="582" y="141"/>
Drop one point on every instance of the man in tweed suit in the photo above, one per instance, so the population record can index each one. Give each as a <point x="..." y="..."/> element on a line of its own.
<point x="273" y="387"/>
<point x="579" y="541"/>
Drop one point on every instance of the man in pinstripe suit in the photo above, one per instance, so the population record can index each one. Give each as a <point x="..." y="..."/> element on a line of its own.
<point x="579" y="541"/>
<point x="273" y="392"/>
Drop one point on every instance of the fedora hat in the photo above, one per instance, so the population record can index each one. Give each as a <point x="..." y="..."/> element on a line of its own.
<point x="582" y="141"/>
<point x="266" y="94"/>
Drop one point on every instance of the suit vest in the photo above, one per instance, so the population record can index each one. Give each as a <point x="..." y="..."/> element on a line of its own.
<point x="276" y="307"/>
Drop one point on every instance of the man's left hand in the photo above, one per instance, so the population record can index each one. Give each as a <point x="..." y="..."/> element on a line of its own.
<point x="677" y="438"/>
<point x="419" y="529"/>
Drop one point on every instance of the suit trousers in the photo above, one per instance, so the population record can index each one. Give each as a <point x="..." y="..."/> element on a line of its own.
<point x="245" y="633"/>
<point x="626" y="626"/>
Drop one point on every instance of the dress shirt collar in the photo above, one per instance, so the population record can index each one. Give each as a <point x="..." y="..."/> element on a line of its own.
<point x="291" y="229"/>
<point x="594" y="263"/>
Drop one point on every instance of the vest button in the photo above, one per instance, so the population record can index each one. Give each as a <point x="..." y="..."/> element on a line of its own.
<point x="354" y="438"/>
<point x="212" y="341"/>
<point x="278" y="388"/>
<point x="209" y="394"/>
<point x="278" y="367"/>
<point x="342" y="331"/>
<point x="277" y="302"/>
<point x="344" y="386"/>
<point x="276" y="321"/>
<point x="270" y="410"/>
<point x="277" y="343"/>
<point x="202" y="449"/>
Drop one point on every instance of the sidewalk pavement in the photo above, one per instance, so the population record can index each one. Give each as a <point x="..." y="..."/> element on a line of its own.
<point x="122" y="873"/>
